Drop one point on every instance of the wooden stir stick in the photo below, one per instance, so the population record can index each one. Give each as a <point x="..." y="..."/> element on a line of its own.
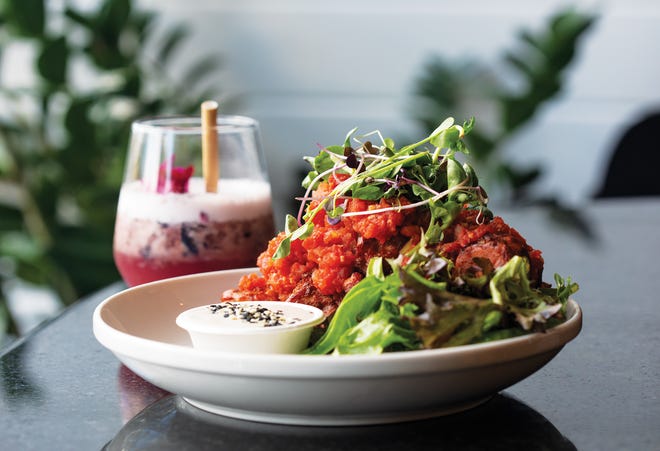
<point x="210" y="167"/>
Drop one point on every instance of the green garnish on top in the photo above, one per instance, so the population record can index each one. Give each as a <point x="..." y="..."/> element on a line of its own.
<point x="427" y="173"/>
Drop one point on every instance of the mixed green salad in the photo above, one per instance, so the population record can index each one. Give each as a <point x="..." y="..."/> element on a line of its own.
<point x="465" y="278"/>
<point x="382" y="312"/>
<point x="415" y="301"/>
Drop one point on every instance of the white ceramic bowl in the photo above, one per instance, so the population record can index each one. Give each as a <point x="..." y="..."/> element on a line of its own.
<point x="138" y="326"/>
<point x="211" y="329"/>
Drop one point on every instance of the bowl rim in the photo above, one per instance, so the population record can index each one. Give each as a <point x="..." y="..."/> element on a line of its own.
<point x="132" y="347"/>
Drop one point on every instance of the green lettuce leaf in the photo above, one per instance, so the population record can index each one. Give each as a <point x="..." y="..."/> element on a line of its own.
<point x="358" y="303"/>
<point x="509" y="287"/>
<point x="369" y="319"/>
<point x="377" y="332"/>
<point x="457" y="321"/>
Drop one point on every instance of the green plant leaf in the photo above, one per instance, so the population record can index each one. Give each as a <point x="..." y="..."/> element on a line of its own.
<point x="25" y="17"/>
<point x="141" y="23"/>
<point x="367" y="192"/>
<point x="520" y="64"/>
<point x="10" y="218"/>
<point x="520" y="178"/>
<point x="541" y="65"/>
<point x="20" y="246"/>
<point x="358" y="303"/>
<point x="173" y="39"/>
<point x="82" y="137"/>
<point x="113" y="16"/>
<point x="105" y="54"/>
<point x="132" y="86"/>
<point x="79" y="18"/>
<point x="53" y="60"/>
<point x="199" y="70"/>
<point x="378" y="331"/>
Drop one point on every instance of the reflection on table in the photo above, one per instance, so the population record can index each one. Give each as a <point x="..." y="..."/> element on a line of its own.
<point x="135" y="393"/>
<point x="502" y="423"/>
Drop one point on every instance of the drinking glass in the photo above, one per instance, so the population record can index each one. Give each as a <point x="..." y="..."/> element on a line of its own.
<point x="169" y="223"/>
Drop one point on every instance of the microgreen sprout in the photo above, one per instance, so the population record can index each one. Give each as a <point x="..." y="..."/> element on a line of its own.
<point x="426" y="173"/>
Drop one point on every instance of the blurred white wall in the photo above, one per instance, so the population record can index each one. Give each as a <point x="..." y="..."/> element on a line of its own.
<point x="309" y="71"/>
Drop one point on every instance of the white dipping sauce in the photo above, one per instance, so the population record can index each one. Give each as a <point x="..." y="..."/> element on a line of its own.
<point x="270" y="327"/>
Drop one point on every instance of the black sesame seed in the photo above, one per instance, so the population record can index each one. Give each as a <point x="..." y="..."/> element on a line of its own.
<point x="254" y="314"/>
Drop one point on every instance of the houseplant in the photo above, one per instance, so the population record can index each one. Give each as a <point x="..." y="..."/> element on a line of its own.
<point x="539" y="62"/>
<point x="63" y="136"/>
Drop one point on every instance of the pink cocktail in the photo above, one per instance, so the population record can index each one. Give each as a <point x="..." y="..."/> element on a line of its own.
<point x="168" y="224"/>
